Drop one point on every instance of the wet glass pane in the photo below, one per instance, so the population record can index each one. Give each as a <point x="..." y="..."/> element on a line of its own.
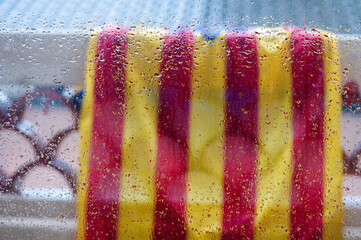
<point x="180" y="119"/>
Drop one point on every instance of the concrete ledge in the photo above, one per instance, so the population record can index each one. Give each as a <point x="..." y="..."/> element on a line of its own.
<point x="57" y="57"/>
<point x="37" y="228"/>
<point x="50" y="214"/>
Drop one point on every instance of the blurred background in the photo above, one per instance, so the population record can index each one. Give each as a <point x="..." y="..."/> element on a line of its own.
<point x="341" y="16"/>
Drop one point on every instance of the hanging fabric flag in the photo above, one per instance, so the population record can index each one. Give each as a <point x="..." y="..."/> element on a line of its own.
<point x="234" y="137"/>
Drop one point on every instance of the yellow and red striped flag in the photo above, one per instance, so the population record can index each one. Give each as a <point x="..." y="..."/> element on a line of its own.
<point x="232" y="138"/>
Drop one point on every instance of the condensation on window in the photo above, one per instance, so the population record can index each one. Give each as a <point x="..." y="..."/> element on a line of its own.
<point x="180" y="119"/>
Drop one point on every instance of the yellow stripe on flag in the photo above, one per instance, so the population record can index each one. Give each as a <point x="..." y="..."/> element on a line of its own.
<point x="275" y="135"/>
<point x="333" y="212"/>
<point x="86" y="126"/>
<point x="138" y="164"/>
<point x="205" y="170"/>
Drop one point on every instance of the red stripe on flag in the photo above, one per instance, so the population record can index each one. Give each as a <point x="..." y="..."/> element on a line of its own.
<point x="241" y="137"/>
<point x="308" y="123"/>
<point x="105" y="160"/>
<point x="173" y="127"/>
